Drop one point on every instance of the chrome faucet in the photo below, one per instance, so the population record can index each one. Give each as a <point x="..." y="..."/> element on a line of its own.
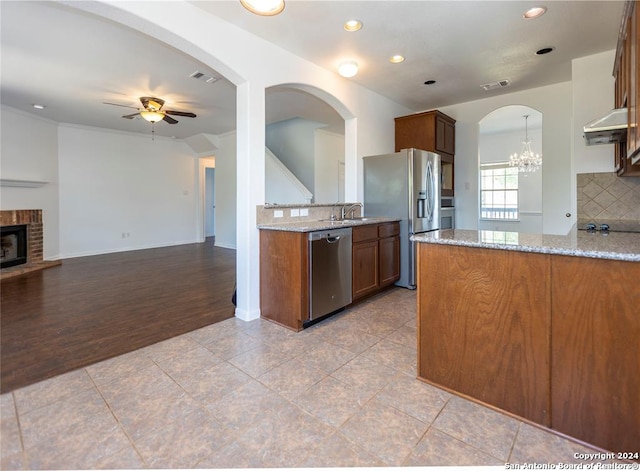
<point x="350" y="209"/>
<point x="333" y="210"/>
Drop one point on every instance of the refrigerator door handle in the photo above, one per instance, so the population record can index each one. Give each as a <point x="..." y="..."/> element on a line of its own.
<point x="430" y="196"/>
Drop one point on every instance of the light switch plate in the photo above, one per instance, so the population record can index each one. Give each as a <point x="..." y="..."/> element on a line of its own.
<point x="295" y="213"/>
<point x="278" y="213"/>
<point x="304" y="211"/>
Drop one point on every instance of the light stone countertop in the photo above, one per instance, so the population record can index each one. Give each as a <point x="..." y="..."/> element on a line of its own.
<point x="613" y="246"/>
<point x="310" y="226"/>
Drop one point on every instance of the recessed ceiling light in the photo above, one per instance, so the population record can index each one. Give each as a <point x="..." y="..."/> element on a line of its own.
<point x="544" y="50"/>
<point x="352" y="25"/>
<point x="430" y="82"/>
<point x="396" y="59"/>
<point x="348" y="69"/>
<point x="534" y="12"/>
<point x="38" y="107"/>
<point x="264" y="7"/>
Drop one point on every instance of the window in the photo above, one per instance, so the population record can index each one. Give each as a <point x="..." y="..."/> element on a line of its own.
<point x="498" y="191"/>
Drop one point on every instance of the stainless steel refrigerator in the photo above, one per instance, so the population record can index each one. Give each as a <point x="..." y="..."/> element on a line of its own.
<point x="405" y="185"/>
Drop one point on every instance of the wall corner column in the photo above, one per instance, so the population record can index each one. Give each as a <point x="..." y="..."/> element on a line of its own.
<point x="250" y="193"/>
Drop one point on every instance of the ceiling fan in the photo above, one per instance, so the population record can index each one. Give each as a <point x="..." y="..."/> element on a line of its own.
<point x="152" y="111"/>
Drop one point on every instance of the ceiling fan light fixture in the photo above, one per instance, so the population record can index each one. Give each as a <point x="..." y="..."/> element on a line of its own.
<point x="348" y="69"/>
<point x="152" y="116"/>
<point x="264" y="7"/>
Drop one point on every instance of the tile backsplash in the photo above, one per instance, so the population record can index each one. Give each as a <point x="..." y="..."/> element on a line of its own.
<point x="605" y="198"/>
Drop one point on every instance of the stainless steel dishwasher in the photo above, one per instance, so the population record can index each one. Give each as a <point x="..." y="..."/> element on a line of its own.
<point x="329" y="271"/>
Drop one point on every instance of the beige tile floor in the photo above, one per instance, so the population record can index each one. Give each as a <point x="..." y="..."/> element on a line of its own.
<point x="235" y="394"/>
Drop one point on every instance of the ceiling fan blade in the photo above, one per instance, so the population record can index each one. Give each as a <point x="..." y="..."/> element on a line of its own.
<point x="130" y="116"/>
<point x="156" y="103"/>
<point x="169" y="119"/>
<point x="181" y="113"/>
<point x="118" y="104"/>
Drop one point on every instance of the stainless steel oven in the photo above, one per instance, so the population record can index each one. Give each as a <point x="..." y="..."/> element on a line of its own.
<point x="447" y="218"/>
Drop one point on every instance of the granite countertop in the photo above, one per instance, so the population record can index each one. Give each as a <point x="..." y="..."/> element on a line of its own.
<point x="310" y="226"/>
<point x="613" y="246"/>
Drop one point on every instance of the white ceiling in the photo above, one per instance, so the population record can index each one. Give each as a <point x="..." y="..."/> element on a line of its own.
<point x="72" y="62"/>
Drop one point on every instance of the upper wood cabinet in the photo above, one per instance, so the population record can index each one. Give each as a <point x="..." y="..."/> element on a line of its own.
<point x="627" y="93"/>
<point x="433" y="131"/>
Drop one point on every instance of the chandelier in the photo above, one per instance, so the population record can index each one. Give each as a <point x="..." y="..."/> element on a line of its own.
<point x="527" y="161"/>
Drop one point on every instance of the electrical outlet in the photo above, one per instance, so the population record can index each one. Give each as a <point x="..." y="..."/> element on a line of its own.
<point x="304" y="211"/>
<point x="278" y="213"/>
<point x="295" y="213"/>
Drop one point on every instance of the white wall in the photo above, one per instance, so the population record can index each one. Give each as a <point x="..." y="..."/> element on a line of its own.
<point x="329" y="157"/>
<point x="497" y="148"/>
<point x="225" y="191"/>
<point x="593" y="96"/>
<point x="554" y="102"/>
<point x="281" y="185"/>
<point x="29" y="151"/>
<point x="113" y="183"/>
<point x="292" y="142"/>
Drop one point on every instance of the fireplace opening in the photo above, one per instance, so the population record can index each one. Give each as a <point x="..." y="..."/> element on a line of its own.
<point x="13" y="245"/>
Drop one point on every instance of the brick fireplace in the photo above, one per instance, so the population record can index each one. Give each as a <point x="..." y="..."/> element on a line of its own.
<point x="32" y="219"/>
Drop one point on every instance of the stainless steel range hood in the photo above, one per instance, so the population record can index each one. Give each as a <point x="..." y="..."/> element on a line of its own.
<point x="608" y="129"/>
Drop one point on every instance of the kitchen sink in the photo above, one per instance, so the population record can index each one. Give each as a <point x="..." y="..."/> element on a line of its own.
<point x="345" y="221"/>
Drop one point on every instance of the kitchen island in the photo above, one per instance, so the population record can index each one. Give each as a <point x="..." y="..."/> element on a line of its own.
<point x="543" y="327"/>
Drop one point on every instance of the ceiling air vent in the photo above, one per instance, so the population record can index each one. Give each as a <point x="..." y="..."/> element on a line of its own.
<point x="494" y="85"/>
<point x="204" y="78"/>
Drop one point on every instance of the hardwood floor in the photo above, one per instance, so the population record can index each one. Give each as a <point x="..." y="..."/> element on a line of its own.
<point x="92" y="308"/>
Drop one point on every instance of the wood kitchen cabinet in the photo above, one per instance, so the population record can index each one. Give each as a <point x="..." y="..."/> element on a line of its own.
<point x="389" y="253"/>
<point x="375" y="258"/>
<point x="595" y="356"/>
<point x="627" y="91"/>
<point x="433" y="131"/>
<point x="284" y="277"/>
<point x="483" y="326"/>
<point x="551" y="338"/>
<point x="284" y="269"/>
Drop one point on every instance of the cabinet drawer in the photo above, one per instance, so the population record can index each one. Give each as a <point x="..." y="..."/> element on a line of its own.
<point x="388" y="230"/>
<point x="361" y="233"/>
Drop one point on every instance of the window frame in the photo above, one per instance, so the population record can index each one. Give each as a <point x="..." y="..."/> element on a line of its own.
<point x="505" y="208"/>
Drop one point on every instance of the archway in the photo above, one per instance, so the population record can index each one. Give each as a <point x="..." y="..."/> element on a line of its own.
<point x="509" y="200"/>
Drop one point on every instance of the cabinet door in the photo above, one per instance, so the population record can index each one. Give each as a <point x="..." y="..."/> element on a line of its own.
<point x="595" y="357"/>
<point x="389" y="260"/>
<point x="365" y="268"/>
<point x="445" y="136"/>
